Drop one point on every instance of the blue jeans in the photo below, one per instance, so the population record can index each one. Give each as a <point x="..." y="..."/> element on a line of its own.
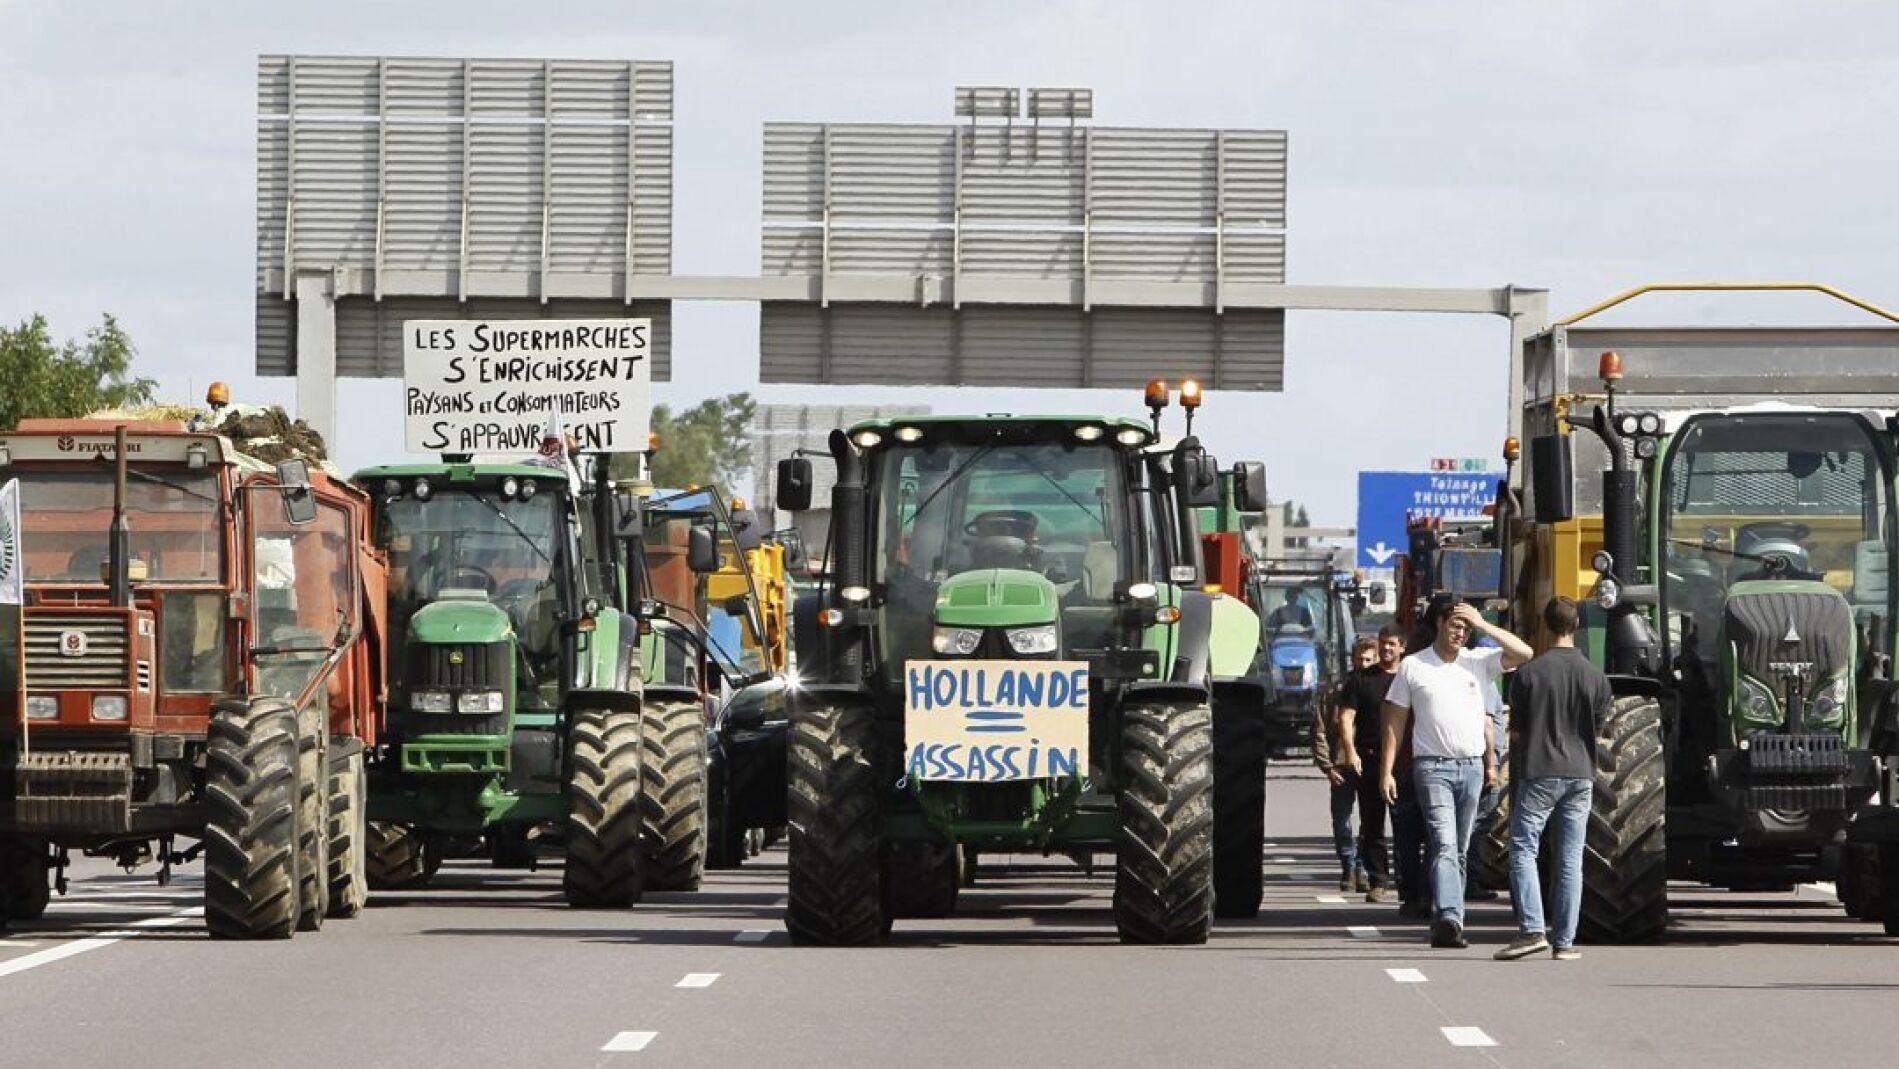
<point x="1448" y="788"/>
<point x="1563" y="805"/>
<point x="1344" y="798"/>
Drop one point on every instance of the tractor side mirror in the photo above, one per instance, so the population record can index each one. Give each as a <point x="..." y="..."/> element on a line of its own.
<point x="1249" y="486"/>
<point x="300" y="505"/>
<point x="1200" y="481"/>
<point x="702" y="551"/>
<point x="794" y="484"/>
<point x="1552" y="477"/>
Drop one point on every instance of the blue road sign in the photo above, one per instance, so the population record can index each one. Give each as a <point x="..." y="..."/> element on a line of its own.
<point x="1386" y="499"/>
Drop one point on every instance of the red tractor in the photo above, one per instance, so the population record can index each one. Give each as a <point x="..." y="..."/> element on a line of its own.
<point x="199" y="656"/>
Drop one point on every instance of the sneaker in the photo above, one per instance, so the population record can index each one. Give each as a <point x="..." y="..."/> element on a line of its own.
<point x="1565" y="953"/>
<point x="1380" y="896"/>
<point x="1361" y="882"/>
<point x="1414" y="911"/>
<point x="1447" y="934"/>
<point x="1523" y="946"/>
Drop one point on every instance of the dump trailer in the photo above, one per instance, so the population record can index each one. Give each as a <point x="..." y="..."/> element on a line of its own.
<point x="202" y="660"/>
<point x="1721" y="499"/>
<point x="1013" y="653"/>
<point x="515" y="705"/>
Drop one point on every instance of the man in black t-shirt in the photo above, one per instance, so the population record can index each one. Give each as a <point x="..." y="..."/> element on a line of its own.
<point x="1558" y="703"/>
<point x="1360" y="706"/>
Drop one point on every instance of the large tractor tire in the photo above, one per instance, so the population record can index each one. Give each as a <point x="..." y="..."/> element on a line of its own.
<point x="510" y="847"/>
<point x="398" y="858"/>
<point x="313" y="817"/>
<point x="1860" y="883"/>
<point x="673" y="794"/>
<point x="1490" y="849"/>
<point x="251" y="878"/>
<point x="834" y="863"/>
<point x="605" y="859"/>
<point x="24" y="889"/>
<point x="1625" y="859"/>
<point x="348" y="829"/>
<point x="1239" y="809"/>
<point x="1885" y="895"/>
<point x="1163" y="886"/>
<point x="921" y="879"/>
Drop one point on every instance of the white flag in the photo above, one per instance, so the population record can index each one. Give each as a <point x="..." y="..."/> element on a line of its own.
<point x="12" y="567"/>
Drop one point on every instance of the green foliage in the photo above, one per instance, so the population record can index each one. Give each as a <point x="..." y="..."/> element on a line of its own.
<point x="66" y="381"/>
<point x="708" y="443"/>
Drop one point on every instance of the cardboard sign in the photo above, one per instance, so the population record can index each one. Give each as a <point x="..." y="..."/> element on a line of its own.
<point x="994" y="721"/>
<point x="489" y="386"/>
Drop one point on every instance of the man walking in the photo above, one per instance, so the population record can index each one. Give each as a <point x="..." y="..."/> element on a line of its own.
<point x="1558" y="703"/>
<point x="1439" y="692"/>
<point x="1343" y="793"/>
<point x="1361" y="706"/>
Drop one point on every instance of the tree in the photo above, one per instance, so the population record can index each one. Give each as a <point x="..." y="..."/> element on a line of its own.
<point x="54" y="381"/>
<point x="708" y="443"/>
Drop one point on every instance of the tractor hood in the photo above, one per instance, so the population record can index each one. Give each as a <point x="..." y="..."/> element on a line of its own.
<point x="460" y="617"/>
<point x="1292" y="651"/>
<point x="1789" y="641"/>
<point x="996" y="597"/>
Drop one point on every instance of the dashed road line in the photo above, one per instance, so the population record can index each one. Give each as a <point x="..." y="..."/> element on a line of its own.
<point x="1332" y="900"/>
<point x="698" y="979"/>
<point x="1406" y="976"/>
<point x="94" y="942"/>
<point x="628" y="1042"/>
<point x="1285" y="860"/>
<point x="1365" y="931"/>
<point x="1467" y="1036"/>
<point x="751" y="935"/>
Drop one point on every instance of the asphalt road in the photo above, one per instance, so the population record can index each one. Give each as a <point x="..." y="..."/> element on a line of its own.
<point x="489" y="968"/>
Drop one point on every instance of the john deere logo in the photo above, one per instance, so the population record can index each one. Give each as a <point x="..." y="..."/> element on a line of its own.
<point x="73" y="643"/>
<point x="454" y="656"/>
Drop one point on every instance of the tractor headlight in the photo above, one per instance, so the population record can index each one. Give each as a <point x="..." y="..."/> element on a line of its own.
<point x="42" y="707"/>
<point x="479" y="701"/>
<point x="108" y="707"/>
<point x="1829" y="705"/>
<point x="1756" y="703"/>
<point x="431" y="701"/>
<point x="510" y="486"/>
<point x="956" y="641"/>
<point x="1028" y="641"/>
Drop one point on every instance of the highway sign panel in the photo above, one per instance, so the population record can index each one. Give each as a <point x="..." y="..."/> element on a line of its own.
<point x="1387" y="500"/>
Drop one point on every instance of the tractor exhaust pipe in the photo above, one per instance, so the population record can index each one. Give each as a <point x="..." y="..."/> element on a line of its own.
<point x="119" y="543"/>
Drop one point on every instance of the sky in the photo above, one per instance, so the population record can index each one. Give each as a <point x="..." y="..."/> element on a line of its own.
<point x="1580" y="147"/>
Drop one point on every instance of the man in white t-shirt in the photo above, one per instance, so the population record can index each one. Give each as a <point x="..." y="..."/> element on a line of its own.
<point x="1444" y="692"/>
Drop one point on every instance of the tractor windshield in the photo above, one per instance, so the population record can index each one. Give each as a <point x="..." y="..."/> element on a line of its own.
<point x="1780" y="495"/>
<point x="174" y="516"/>
<point x="1296" y="610"/>
<point x="473" y="539"/>
<point x="1053" y="508"/>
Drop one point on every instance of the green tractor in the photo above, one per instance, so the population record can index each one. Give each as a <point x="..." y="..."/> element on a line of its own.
<point x="515" y="680"/>
<point x="1013" y="653"/>
<point x="1743" y="607"/>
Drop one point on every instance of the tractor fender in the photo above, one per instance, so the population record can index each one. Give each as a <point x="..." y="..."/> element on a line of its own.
<point x="616" y="701"/>
<point x="1244" y="692"/>
<point x="1155" y="691"/>
<point x="1193" y="637"/>
<point x="1628" y="686"/>
<point x="672" y="692"/>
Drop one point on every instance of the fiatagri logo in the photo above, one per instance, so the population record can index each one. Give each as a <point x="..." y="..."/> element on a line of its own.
<point x="68" y="444"/>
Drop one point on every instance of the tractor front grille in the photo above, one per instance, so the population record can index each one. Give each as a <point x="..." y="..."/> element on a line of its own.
<point x="52" y="636"/>
<point x="459" y="666"/>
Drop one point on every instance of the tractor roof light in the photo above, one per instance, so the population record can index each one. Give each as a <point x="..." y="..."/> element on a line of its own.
<point x="1649" y="423"/>
<point x="867" y="439"/>
<point x="510" y="486"/>
<point x="1190" y="394"/>
<point x="1512" y="449"/>
<point x="423" y="491"/>
<point x="907" y="435"/>
<point x="392" y="489"/>
<point x="652" y="441"/>
<point x="1131" y="436"/>
<point x="197" y="457"/>
<point x="1645" y="448"/>
<point x="528" y="489"/>
<point x="218" y="395"/>
<point x="1609" y="366"/>
<point x="1088" y="432"/>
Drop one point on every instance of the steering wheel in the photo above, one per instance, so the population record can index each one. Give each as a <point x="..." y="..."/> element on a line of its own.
<point x="1773" y="531"/>
<point x="1015" y="523"/>
<point x="487" y="578"/>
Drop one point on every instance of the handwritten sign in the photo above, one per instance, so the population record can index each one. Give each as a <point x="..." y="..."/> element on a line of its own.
<point x="992" y="721"/>
<point x="488" y="386"/>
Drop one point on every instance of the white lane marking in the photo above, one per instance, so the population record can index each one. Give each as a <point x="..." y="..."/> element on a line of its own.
<point x="1825" y="888"/>
<point x="16" y="944"/>
<point x="1467" y="1036"/>
<point x="83" y="906"/>
<point x="1365" y="931"/>
<point x="1332" y="900"/>
<point x="1285" y="860"/>
<point x="698" y="979"/>
<point x="782" y="902"/>
<point x="1406" y="976"/>
<point x="95" y="942"/>
<point x="629" y="1041"/>
<point x="751" y="936"/>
